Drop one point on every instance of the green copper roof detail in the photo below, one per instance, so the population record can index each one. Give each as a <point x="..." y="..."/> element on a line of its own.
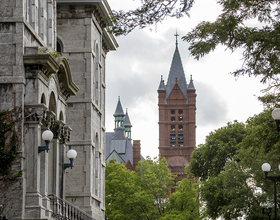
<point x="127" y="120"/>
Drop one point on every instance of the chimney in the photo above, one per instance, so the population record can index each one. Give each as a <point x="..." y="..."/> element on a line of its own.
<point x="136" y="153"/>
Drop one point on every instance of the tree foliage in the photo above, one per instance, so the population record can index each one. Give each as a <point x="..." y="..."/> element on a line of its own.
<point x="210" y="159"/>
<point x="150" y="12"/>
<point x="240" y="186"/>
<point x="252" y="26"/>
<point x="184" y="201"/>
<point x="9" y="142"/>
<point x="144" y="194"/>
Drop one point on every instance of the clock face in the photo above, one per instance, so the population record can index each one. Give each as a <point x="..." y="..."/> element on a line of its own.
<point x="172" y="118"/>
<point x="172" y="112"/>
<point x="180" y="111"/>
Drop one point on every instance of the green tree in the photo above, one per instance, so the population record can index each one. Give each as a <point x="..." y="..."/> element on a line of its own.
<point x="144" y="194"/>
<point x="209" y="159"/>
<point x="252" y="26"/>
<point x="184" y="201"/>
<point x="149" y="13"/>
<point x="240" y="186"/>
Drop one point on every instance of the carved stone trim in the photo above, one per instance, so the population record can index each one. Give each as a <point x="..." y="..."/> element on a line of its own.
<point x="66" y="134"/>
<point x="35" y="113"/>
<point x="50" y="119"/>
<point x="57" y="129"/>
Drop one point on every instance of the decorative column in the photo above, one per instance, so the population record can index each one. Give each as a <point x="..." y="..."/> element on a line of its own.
<point x="35" y="115"/>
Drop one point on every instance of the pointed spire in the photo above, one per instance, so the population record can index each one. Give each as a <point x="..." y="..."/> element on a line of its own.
<point x="191" y="85"/>
<point x="161" y="84"/>
<point x="119" y="116"/>
<point x="127" y="120"/>
<point x="176" y="71"/>
<point x="119" y="109"/>
<point x="127" y="126"/>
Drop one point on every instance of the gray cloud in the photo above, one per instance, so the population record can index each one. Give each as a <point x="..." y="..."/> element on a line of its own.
<point x="211" y="108"/>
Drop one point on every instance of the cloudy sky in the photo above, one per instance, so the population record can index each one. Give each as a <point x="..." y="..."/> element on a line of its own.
<point x="134" y="72"/>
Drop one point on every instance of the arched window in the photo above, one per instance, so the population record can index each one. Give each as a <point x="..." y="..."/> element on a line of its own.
<point x="59" y="46"/>
<point x="52" y="103"/>
<point x="43" y="99"/>
<point x="61" y="116"/>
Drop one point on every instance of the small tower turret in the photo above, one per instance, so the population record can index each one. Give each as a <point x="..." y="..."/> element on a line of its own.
<point x="119" y="116"/>
<point x="127" y="126"/>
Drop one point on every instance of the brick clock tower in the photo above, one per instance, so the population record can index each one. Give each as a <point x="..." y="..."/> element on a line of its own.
<point x="177" y="123"/>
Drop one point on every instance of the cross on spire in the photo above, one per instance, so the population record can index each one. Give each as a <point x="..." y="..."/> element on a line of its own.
<point x="176" y="35"/>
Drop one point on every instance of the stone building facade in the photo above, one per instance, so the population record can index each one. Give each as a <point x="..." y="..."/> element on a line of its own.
<point x="64" y="94"/>
<point x="177" y="118"/>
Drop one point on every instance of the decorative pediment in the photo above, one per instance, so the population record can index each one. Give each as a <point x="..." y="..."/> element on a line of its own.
<point x="176" y="94"/>
<point x="67" y="86"/>
<point x="46" y="65"/>
<point x="39" y="62"/>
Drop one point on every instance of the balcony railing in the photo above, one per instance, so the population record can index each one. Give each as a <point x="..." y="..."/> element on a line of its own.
<point x="64" y="210"/>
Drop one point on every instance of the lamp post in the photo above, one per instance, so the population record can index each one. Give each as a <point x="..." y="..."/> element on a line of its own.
<point x="47" y="137"/>
<point x="276" y="116"/>
<point x="71" y="154"/>
<point x="266" y="168"/>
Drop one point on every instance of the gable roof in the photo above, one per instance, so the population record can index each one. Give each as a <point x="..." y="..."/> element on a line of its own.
<point x="177" y="93"/>
<point x="114" y="155"/>
<point x="119" y="144"/>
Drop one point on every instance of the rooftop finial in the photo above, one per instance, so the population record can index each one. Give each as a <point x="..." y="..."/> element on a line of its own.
<point x="176" y="79"/>
<point x="176" y="35"/>
<point x="119" y="98"/>
<point x="126" y="110"/>
<point x="191" y="77"/>
<point x="161" y="77"/>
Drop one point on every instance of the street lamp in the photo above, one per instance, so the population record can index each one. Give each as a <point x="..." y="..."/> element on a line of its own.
<point x="276" y="116"/>
<point x="71" y="154"/>
<point x="266" y="168"/>
<point x="47" y="137"/>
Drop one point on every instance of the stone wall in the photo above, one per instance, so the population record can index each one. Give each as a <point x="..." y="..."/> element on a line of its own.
<point x="81" y="37"/>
